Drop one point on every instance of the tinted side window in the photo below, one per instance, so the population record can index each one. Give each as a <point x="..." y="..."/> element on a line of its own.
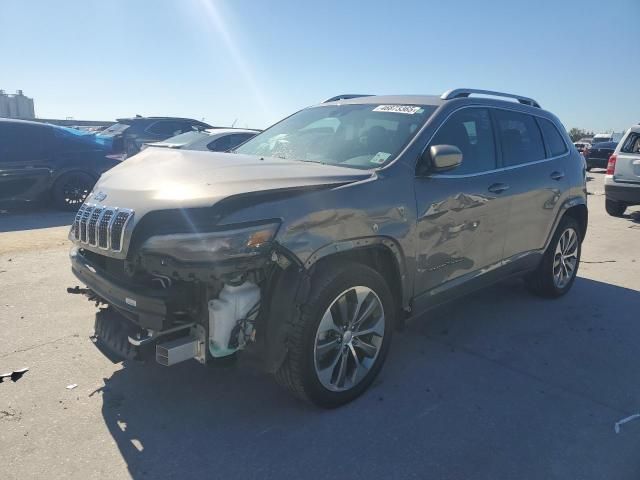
<point x="220" y="144"/>
<point x="520" y="138"/>
<point x="168" y="128"/>
<point x="470" y="130"/>
<point x="631" y="144"/>
<point x="24" y="142"/>
<point x="238" y="138"/>
<point x="554" y="140"/>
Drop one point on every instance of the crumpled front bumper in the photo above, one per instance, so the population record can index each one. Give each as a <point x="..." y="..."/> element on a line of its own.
<point x="145" y="307"/>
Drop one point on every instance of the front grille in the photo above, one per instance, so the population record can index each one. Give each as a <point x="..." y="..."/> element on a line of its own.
<point x="99" y="226"/>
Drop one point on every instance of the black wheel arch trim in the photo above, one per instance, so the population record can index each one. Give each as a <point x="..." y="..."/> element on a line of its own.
<point x="568" y="204"/>
<point x="363" y="243"/>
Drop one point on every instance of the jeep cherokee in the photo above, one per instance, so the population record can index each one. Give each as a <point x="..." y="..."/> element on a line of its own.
<point x="307" y="246"/>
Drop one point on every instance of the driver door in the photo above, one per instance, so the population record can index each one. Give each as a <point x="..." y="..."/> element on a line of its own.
<point x="462" y="213"/>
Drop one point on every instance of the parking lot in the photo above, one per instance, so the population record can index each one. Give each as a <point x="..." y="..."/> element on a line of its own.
<point x="501" y="385"/>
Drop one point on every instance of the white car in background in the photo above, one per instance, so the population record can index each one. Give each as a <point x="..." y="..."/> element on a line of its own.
<point x="211" y="139"/>
<point x="622" y="180"/>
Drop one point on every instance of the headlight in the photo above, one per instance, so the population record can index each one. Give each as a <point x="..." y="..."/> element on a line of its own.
<point x="214" y="246"/>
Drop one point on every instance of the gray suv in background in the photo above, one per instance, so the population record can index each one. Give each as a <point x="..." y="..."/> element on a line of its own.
<point x="307" y="246"/>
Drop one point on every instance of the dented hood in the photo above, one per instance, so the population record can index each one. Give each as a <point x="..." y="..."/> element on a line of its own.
<point x="162" y="178"/>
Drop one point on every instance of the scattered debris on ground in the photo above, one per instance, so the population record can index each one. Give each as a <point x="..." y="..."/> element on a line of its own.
<point x="72" y="386"/>
<point x="10" y="415"/>
<point x="13" y="376"/>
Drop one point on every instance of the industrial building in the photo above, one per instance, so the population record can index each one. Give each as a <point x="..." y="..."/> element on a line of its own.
<point x="16" y="105"/>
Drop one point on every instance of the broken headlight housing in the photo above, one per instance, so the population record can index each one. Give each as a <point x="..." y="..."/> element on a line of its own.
<point x="242" y="241"/>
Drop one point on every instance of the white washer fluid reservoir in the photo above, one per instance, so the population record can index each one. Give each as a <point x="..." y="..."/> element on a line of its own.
<point x="232" y="305"/>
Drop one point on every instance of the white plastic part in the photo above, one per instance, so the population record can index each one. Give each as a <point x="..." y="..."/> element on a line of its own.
<point x="232" y="305"/>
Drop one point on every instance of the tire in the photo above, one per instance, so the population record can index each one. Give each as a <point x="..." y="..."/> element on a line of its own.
<point x="320" y="366"/>
<point x="544" y="281"/>
<point x="70" y="190"/>
<point x="613" y="208"/>
<point x="589" y="167"/>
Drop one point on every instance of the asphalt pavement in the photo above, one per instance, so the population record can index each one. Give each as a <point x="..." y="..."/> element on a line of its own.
<point x="499" y="385"/>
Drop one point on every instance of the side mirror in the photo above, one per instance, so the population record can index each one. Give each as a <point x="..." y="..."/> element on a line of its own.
<point x="444" y="157"/>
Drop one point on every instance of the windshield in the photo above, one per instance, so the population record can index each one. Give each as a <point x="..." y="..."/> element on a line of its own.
<point x="359" y="136"/>
<point x="114" y="129"/>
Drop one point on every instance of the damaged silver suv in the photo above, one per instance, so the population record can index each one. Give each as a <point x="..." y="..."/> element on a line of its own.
<point x="307" y="246"/>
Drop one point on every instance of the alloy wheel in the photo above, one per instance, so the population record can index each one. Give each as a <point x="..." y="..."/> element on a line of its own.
<point x="349" y="338"/>
<point x="565" y="259"/>
<point x="75" y="190"/>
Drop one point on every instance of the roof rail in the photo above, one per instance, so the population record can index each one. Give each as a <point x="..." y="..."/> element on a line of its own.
<point x="347" y="96"/>
<point x="465" y="92"/>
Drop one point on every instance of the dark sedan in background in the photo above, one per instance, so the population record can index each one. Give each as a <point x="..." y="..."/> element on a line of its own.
<point x="597" y="155"/>
<point x="126" y="137"/>
<point x="42" y="162"/>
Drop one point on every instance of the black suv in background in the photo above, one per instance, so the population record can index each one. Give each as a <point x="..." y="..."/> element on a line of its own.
<point x="128" y="135"/>
<point x="40" y="162"/>
<point x="597" y="155"/>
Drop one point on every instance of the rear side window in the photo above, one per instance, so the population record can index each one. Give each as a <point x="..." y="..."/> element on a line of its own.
<point x="553" y="138"/>
<point x="631" y="144"/>
<point x="520" y="138"/>
<point x="238" y="138"/>
<point x="168" y="128"/>
<point x="470" y="130"/>
<point x="20" y="142"/>
<point x="220" y="144"/>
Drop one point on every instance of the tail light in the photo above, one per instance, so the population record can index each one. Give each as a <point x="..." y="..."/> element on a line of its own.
<point x="611" y="166"/>
<point x="585" y="152"/>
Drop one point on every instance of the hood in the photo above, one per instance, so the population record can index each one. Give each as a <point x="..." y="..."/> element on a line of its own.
<point x="159" y="178"/>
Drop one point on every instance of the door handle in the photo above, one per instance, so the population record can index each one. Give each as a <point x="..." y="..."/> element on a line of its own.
<point x="557" y="175"/>
<point x="498" y="187"/>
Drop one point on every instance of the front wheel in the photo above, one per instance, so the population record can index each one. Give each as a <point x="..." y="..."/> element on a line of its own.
<point x="559" y="266"/>
<point x="339" y="342"/>
<point x="71" y="189"/>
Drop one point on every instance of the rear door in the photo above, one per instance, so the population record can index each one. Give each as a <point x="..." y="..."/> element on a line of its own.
<point x="536" y="177"/>
<point x="25" y="160"/>
<point x="462" y="213"/>
<point x="628" y="161"/>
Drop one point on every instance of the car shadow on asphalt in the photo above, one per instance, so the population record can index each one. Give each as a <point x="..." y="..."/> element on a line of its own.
<point x="500" y="385"/>
<point x="13" y="219"/>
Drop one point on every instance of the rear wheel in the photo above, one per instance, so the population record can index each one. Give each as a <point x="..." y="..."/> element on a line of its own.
<point x="613" y="208"/>
<point x="71" y="189"/>
<point x="340" y="340"/>
<point x="559" y="266"/>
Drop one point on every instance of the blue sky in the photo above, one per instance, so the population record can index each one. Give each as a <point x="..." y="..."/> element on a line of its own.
<point x="255" y="61"/>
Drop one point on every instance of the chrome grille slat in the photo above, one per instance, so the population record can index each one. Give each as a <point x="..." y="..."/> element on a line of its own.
<point x="103" y="227"/>
<point x="76" y="222"/>
<point x="91" y="226"/>
<point x="83" y="223"/>
<point x="117" y="230"/>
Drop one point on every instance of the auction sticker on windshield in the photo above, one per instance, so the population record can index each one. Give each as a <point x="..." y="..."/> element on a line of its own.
<point x="408" y="109"/>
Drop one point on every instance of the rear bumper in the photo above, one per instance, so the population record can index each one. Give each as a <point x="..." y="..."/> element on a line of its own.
<point x="597" y="162"/>
<point x="624" y="193"/>
<point x="148" y="309"/>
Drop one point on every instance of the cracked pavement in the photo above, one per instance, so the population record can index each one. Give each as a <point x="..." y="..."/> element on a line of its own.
<point x="499" y="385"/>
